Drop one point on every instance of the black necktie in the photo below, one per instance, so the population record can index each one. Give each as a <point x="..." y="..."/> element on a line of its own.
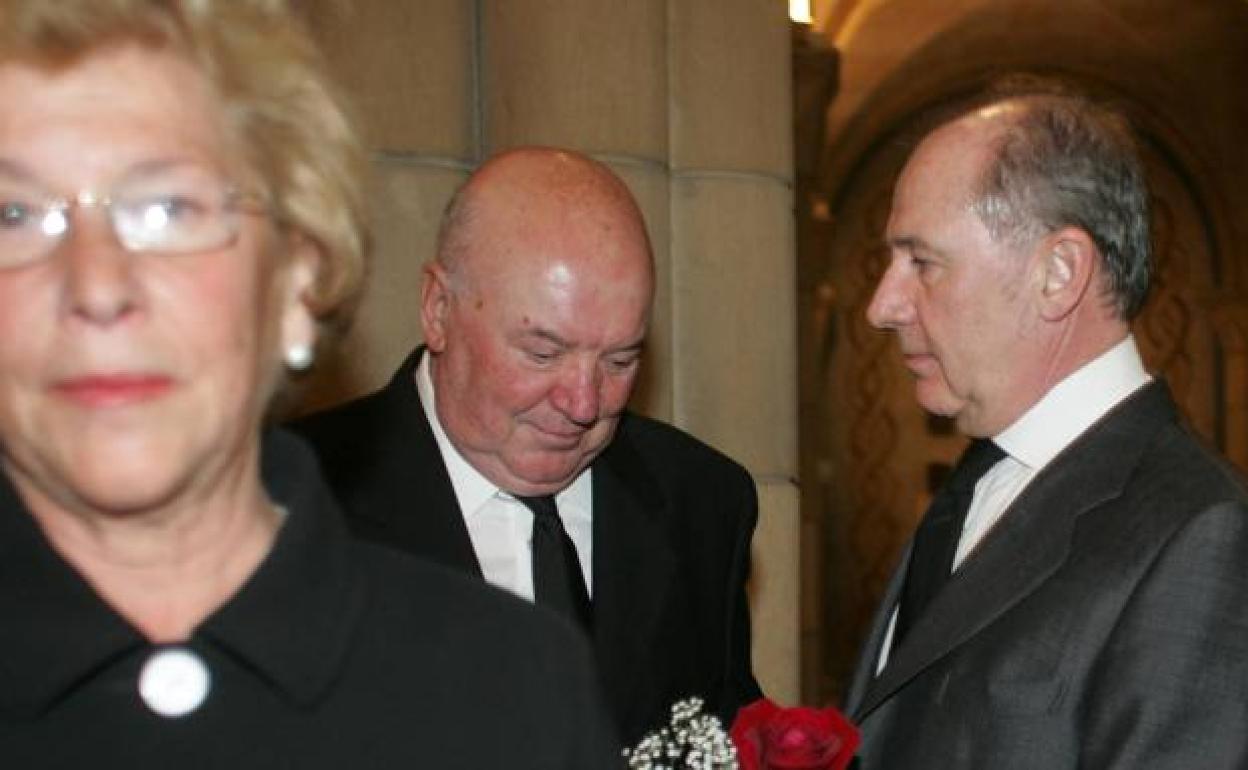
<point x="557" y="579"/>
<point x="936" y="541"/>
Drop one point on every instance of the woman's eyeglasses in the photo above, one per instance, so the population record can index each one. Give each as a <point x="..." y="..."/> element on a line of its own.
<point x="173" y="211"/>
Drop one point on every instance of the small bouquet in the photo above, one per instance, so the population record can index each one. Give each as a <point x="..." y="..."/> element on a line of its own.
<point x="764" y="736"/>
<point x="691" y="741"/>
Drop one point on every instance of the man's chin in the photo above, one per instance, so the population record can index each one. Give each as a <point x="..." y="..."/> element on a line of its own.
<point x="545" y="478"/>
<point x="937" y="400"/>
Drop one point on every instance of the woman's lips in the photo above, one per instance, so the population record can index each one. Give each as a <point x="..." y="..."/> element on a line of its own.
<point x="106" y="390"/>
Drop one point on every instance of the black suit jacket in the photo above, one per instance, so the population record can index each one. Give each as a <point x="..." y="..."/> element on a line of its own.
<point x="672" y="524"/>
<point x="1102" y="624"/>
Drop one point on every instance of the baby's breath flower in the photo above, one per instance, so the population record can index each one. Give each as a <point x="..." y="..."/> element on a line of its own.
<point x="691" y="741"/>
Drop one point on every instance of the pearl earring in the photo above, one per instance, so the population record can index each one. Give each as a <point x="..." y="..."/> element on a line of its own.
<point x="299" y="357"/>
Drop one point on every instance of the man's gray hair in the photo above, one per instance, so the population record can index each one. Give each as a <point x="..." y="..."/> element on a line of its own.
<point x="1066" y="161"/>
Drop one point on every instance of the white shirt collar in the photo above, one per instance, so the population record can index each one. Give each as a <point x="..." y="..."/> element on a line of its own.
<point x="472" y="489"/>
<point x="1073" y="405"/>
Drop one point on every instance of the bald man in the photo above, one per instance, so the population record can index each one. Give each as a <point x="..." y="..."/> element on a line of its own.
<point x="503" y="446"/>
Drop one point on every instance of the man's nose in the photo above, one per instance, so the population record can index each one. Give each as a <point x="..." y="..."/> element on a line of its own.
<point x="577" y="394"/>
<point x="892" y="305"/>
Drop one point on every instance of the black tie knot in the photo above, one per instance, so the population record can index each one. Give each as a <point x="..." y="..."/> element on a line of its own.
<point x="977" y="460"/>
<point x="543" y="506"/>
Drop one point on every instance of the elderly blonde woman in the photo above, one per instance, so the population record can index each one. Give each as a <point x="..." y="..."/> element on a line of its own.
<point x="180" y="217"/>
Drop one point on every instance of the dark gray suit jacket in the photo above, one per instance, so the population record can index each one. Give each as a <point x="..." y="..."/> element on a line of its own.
<point x="672" y="525"/>
<point x="1103" y="624"/>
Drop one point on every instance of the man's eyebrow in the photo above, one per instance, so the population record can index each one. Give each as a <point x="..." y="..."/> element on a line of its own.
<point x="910" y="244"/>
<point x="553" y="338"/>
<point x="632" y="347"/>
<point x="544" y="334"/>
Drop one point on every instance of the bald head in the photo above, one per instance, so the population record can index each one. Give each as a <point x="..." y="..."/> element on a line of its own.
<point x="531" y="195"/>
<point x="534" y="314"/>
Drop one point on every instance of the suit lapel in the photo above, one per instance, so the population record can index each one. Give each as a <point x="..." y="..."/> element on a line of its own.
<point x="868" y="660"/>
<point x="634" y="570"/>
<point x="1029" y="543"/>
<point x="417" y="504"/>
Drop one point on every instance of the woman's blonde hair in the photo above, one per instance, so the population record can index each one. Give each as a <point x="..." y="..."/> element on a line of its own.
<point x="286" y="117"/>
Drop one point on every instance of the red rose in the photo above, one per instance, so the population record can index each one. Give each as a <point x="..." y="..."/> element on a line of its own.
<point x="768" y="737"/>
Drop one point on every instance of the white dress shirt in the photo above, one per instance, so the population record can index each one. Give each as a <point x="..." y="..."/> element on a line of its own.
<point x="1049" y="426"/>
<point x="1033" y="440"/>
<point x="500" y="526"/>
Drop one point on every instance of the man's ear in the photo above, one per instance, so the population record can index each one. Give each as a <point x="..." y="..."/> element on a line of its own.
<point x="435" y="302"/>
<point x="1068" y="262"/>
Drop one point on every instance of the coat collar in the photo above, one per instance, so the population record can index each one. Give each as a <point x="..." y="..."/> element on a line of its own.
<point x="56" y="629"/>
<point x="1029" y="543"/>
<point x="418" y="505"/>
<point x="292" y="621"/>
